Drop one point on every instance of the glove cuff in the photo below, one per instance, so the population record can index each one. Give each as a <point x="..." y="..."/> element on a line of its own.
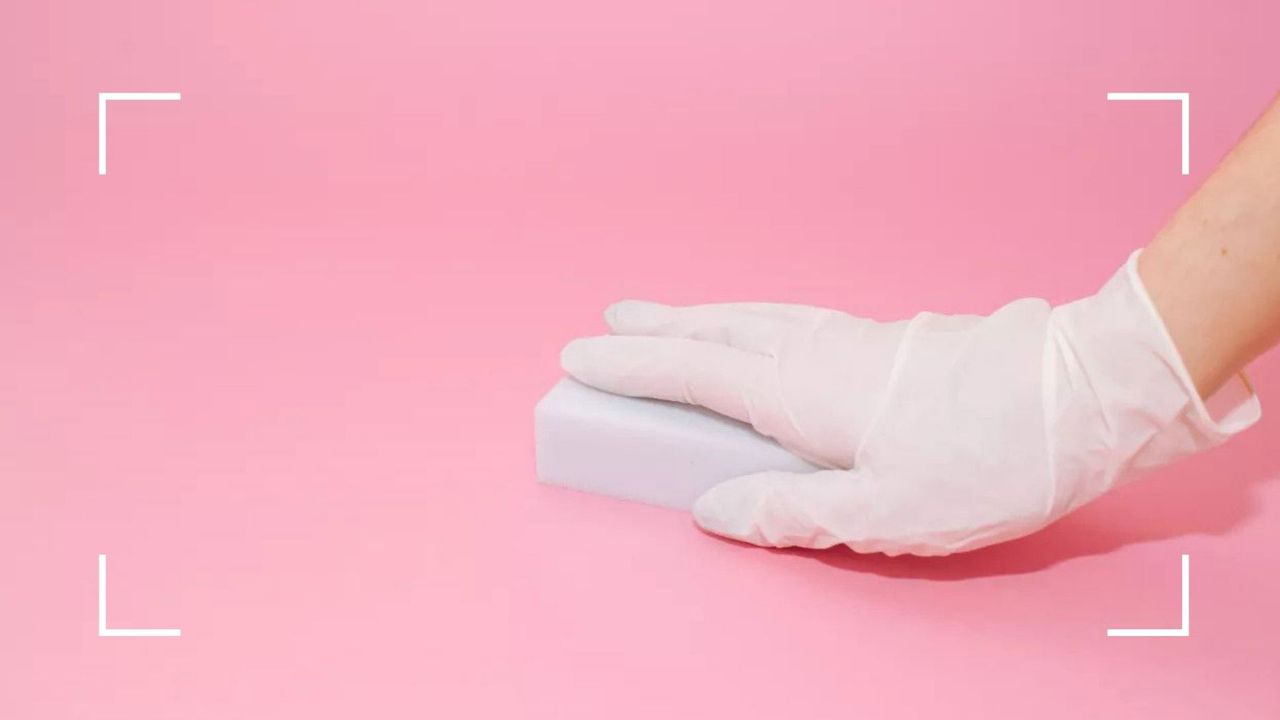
<point x="1228" y="411"/>
<point x="1118" y="396"/>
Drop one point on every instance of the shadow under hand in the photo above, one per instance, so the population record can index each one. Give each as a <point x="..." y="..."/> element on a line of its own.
<point x="1196" y="497"/>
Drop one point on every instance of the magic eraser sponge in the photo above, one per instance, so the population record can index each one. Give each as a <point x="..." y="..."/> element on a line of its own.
<point x="650" y="451"/>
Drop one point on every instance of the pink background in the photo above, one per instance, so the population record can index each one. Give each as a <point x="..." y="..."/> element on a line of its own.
<point x="280" y="363"/>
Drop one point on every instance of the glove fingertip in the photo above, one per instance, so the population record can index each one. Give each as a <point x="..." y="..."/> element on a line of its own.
<point x="726" y="509"/>
<point x="580" y="355"/>
<point x="635" y="316"/>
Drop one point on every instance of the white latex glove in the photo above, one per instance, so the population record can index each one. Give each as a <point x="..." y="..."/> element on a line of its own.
<point x="946" y="433"/>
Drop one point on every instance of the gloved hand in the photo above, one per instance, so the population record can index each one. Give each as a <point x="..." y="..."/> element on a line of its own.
<point x="945" y="433"/>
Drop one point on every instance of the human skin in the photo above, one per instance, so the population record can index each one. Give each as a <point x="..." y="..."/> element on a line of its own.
<point x="949" y="433"/>
<point x="1213" y="271"/>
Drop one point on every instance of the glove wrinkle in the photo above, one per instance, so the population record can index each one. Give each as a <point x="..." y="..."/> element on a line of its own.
<point x="945" y="433"/>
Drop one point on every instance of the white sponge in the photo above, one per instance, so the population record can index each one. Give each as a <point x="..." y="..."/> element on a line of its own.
<point x="650" y="451"/>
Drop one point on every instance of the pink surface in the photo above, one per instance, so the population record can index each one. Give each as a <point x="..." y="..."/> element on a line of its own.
<point x="280" y="363"/>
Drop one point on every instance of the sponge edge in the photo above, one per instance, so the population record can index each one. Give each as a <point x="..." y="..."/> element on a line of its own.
<point x="649" y="451"/>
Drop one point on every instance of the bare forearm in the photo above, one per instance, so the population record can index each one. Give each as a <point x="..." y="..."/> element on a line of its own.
<point x="1214" y="270"/>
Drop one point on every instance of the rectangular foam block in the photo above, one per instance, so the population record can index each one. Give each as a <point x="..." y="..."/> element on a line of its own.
<point x="649" y="451"/>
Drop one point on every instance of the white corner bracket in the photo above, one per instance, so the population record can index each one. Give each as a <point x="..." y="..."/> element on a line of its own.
<point x="1184" y="99"/>
<point x="1184" y="631"/>
<point x="103" y="97"/>
<point x="104" y="631"/>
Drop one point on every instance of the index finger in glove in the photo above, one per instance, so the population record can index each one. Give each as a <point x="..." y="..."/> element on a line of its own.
<point x="726" y="380"/>
<point x="753" y="326"/>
